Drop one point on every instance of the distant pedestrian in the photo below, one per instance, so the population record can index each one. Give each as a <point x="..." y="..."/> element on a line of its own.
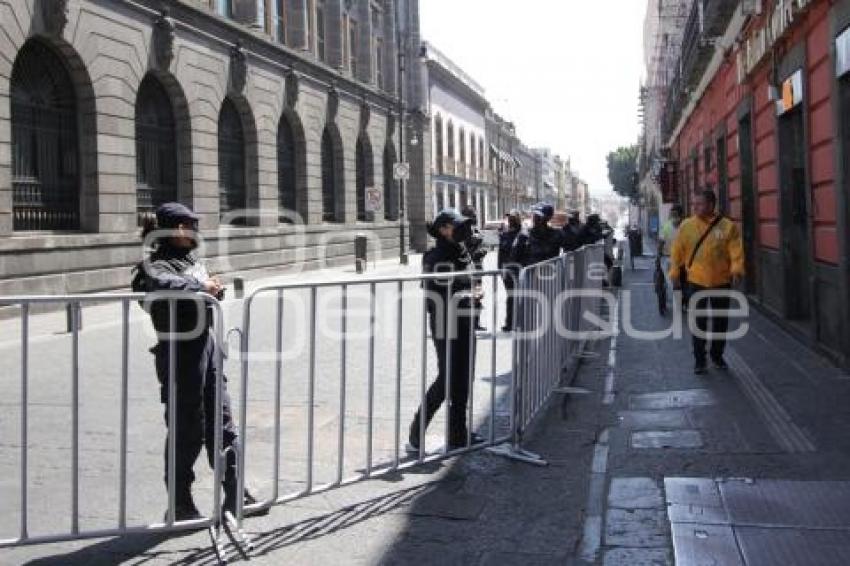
<point x="572" y="231"/>
<point x="540" y="243"/>
<point x="710" y="249"/>
<point x="174" y="265"/>
<point x="667" y="236"/>
<point x="450" y="306"/>
<point x="510" y="269"/>
<point x="477" y="251"/>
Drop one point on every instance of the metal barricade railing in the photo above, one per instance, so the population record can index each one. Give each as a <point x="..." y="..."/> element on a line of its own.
<point x="552" y="298"/>
<point x="74" y="303"/>
<point x="549" y="297"/>
<point x="402" y="292"/>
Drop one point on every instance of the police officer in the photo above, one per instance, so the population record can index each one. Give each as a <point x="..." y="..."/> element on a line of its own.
<point x="572" y="230"/>
<point x="541" y="242"/>
<point x="450" y="307"/>
<point x="510" y="269"/>
<point x="475" y="246"/>
<point x="174" y="265"/>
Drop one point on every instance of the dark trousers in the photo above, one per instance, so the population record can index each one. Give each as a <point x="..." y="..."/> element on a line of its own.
<point x="509" y="279"/>
<point x="714" y="322"/>
<point x="195" y="362"/>
<point x="461" y="361"/>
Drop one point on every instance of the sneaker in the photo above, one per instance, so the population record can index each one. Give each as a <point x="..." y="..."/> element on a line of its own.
<point x="700" y="368"/>
<point x="719" y="363"/>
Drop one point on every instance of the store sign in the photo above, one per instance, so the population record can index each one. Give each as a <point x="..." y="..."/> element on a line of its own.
<point x="842" y="54"/>
<point x="762" y="39"/>
<point x="791" y="93"/>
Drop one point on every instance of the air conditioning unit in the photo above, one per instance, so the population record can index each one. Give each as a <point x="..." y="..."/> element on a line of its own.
<point x="751" y="7"/>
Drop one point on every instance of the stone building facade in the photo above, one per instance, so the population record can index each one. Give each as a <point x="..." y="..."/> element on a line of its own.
<point x="457" y="107"/>
<point x="276" y="120"/>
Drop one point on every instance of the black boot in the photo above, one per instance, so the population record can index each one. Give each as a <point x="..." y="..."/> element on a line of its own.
<point x="230" y="500"/>
<point x="184" y="507"/>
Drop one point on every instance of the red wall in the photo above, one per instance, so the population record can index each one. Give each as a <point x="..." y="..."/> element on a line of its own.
<point x="719" y="104"/>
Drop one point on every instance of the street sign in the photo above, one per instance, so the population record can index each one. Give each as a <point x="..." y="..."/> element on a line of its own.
<point x="373" y="199"/>
<point x="401" y="171"/>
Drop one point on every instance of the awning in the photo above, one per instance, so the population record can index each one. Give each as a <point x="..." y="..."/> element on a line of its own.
<point x="504" y="155"/>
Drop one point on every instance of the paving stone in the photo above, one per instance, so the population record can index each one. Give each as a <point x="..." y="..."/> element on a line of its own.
<point x="667" y="439"/>
<point x="638" y="557"/>
<point x="635" y="493"/>
<point x="654" y="420"/>
<point x="698" y="491"/>
<point x="636" y="528"/>
<point x="672" y="399"/>
<point x="699" y="545"/>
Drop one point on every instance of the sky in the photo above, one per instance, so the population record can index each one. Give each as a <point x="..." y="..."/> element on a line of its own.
<point x="566" y="72"/>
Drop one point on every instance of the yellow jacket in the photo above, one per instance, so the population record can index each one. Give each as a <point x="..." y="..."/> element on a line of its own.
<point x="719" y="258"/>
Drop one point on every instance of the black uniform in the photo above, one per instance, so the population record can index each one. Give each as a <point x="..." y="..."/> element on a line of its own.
<point x="510" y="269"/>
<point x="541" y="243"/>
<point x="447" y="257"/>
<point x="572" y="240"/>
<point x="179" y="269"/>
<point x="477" y="252"/>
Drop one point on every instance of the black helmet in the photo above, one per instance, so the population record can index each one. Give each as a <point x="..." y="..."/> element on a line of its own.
<point x="543" y="210"/>
<point x="447" y="216"/>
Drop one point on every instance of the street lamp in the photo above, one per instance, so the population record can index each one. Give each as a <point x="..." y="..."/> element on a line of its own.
<point x="402" y="40"/>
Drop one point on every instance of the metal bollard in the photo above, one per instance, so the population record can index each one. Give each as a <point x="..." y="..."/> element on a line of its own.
<point x="73" y="317"/>
<point x="360" y="252"/>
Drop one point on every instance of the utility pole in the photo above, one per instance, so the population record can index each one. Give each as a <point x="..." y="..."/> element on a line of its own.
<point x="402" y="40"/>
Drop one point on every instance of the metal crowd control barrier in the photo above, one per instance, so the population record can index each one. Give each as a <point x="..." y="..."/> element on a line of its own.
<point x="539" y="351"/>
<point x="398" y="463"/>
<point x="74" y="304"/>
<point x="552" y="298"/>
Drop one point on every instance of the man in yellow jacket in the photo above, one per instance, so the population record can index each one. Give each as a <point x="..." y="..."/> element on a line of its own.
<point x="713" y="264"/>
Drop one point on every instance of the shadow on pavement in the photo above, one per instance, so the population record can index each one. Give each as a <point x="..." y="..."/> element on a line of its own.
<point x="111" y="551"/>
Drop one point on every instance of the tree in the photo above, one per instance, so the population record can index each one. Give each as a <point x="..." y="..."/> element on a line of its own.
<point x="622" y="170"/>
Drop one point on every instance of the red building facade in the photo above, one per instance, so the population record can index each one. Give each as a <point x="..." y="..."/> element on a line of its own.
<point x="770" y="134"/>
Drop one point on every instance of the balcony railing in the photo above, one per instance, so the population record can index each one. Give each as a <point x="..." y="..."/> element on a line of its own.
<point x="707" y="20"/>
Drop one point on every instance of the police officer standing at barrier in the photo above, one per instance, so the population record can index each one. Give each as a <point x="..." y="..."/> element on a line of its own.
<point x="174" y="265"/>
<point x="450" y="304"/>
<point x="475" y="245"/>
<point x="510" y="269"/>
<point x="572" y="230"/>
<point x="541" y="242"/>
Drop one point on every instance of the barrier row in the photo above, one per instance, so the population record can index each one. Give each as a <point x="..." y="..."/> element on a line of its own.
<point x="551" y="300"/>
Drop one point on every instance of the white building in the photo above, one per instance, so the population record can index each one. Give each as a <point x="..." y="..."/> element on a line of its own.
<point x="457" y="107"/>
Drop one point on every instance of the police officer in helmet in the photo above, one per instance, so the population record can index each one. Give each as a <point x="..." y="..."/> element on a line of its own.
<point x="174" y="265"/>
<point x="451" y="312"/>
<point x="541" y="242"/>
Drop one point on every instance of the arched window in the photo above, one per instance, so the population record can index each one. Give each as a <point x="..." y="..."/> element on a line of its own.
<point x="156" y="148"/>
<point x="286" y="172"/>
<point x="329" y="178"/>
<point x="438" y="143"/>
<point x="462" y="146"/>
<point x="391" y="200"/>
<point x="364" y="176"/>
<point x="481" y="153"/>
<point x="45" y="142"/>
<point x="231" y="159"/>
<point x="450" y="136"/>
